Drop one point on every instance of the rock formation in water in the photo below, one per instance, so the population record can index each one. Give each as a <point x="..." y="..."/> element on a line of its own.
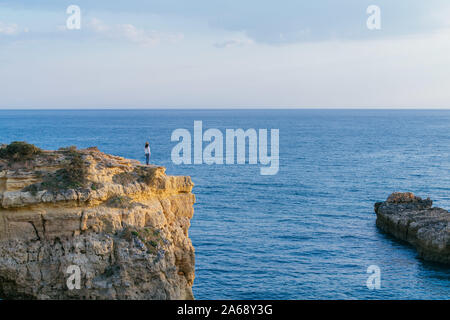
<point x="123" y="225"/>
<point x="414" y="220"/>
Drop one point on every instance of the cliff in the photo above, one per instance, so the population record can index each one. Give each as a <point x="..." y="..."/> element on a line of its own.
<point x="124" y="225"/>
<point x="414" y="220"/>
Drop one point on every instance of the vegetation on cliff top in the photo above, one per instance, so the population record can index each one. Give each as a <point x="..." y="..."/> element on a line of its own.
<point x="19" y="151"/>
<point x="72" y="172"/>
<point x="139" y="174"/>
<point x="72" y="175"/>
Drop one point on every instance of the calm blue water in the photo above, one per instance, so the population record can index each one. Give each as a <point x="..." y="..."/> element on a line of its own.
<point x="308" y="232"/>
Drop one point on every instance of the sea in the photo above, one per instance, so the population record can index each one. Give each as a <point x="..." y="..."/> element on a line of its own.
<point x="307" y="232"/>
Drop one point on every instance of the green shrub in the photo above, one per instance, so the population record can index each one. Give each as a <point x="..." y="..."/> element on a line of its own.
<point x="33" y="189"/>
<point x="96" y="186"/>
<point x="139" y="174"/>
<point x="145" y="175"/>
<point x="74" y="172"/>
<point x="68" y="149"/>
<point x="120" y="202"/>
<point x="125" y="178"/>
<point x="19" y="151"/>
<point x="151" y="239"/>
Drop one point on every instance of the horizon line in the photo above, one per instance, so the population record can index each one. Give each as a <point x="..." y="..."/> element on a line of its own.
<point x="218" y="108"/>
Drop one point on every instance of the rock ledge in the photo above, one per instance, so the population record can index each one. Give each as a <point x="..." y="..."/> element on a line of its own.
<point x="123" y="224"/>
<point x="413" y="219"/>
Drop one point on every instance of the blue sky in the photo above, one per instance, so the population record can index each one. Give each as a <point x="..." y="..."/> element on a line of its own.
<point x="224" y="54"/>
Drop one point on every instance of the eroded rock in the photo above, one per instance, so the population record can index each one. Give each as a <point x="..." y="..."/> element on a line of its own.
<point x="413" y="219"/>
<point x="133" y="249"/>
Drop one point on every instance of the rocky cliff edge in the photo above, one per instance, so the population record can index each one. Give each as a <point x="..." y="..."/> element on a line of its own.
<point x="123" y="225"/>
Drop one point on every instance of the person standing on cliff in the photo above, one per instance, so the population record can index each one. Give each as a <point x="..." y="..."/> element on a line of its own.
<point x="147" y="153"/>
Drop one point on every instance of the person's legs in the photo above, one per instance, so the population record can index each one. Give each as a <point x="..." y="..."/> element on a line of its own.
<point x="147" y="158"/>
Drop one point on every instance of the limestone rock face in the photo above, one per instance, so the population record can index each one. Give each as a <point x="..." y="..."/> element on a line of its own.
<point x="123" y="225"/>
<point x="412" y="219"/>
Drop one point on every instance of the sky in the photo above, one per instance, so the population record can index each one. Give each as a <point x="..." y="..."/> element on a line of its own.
<point x="224" y="54"/>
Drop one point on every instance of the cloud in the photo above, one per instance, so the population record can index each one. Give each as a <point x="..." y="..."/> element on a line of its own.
<point x="98" y="25"/>
<point x="294" y="21"/>
<point x="233" y="43"/>
<point x="131" y="33"/>
<point x="273" y="22"/>
<point x="11" y="29"/>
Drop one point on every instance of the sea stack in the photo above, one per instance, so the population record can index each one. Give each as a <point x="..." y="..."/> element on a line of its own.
<point x="412" y="219"/>
<point x="117" y="227"/>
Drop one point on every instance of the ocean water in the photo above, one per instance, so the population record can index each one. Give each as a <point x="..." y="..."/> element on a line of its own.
<point x="306" y="233"/>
